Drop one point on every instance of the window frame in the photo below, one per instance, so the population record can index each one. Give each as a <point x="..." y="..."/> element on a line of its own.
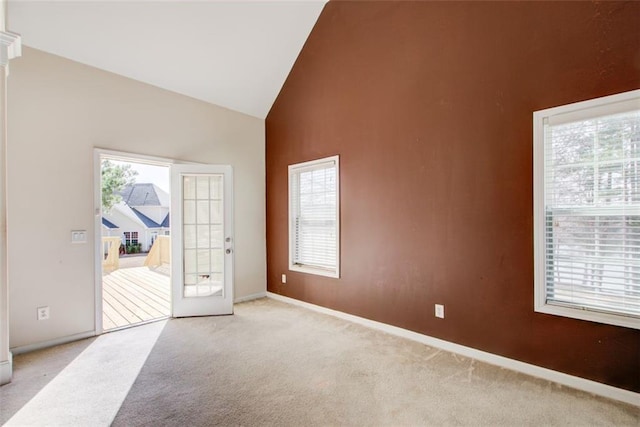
<point x="128" y="240"/>
<point x="310" y="269"/>
<point x="566" y="113"/>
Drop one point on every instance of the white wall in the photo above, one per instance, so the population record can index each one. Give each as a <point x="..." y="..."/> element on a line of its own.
<point x="58" y="112"/>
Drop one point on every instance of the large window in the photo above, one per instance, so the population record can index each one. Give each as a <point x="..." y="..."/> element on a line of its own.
<point x="587" y="210"/>
<point x="314" y="202"/>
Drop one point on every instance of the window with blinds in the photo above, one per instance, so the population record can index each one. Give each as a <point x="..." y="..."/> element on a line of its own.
<point x="587" y="210"/>
<point x="314" y="217"/>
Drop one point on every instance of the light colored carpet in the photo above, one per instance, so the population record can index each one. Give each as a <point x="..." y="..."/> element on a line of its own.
<point x="33" y="371"/>
<point x="91" y="388"/>
<point x="276" y="364"/>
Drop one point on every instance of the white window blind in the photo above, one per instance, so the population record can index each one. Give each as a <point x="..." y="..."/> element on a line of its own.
<point x="591" y="213"/>
<point x="313" y="217"/>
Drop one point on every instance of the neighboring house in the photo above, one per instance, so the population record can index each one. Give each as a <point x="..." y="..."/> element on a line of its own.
<point x="141" y="216"/>
<point x="109" y="228"/>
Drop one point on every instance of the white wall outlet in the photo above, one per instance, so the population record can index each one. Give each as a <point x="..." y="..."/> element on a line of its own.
<point x="43" y="313"/>
<point x="78" y="236"/>
<point x="284" y="278"/>
<point x="440" y="311"/>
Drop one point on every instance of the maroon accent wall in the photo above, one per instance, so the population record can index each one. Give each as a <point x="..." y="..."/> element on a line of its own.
<point x="429" y="105"/>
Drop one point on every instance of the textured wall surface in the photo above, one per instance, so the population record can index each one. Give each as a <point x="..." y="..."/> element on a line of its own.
<point x="429" y="105"/>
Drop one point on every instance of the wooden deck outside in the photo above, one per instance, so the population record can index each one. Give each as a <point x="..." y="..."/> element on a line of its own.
<point x="135" y="295"/>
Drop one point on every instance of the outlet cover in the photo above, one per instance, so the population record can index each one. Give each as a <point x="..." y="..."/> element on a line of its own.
<point x="440" y="311"/>
<point x="43" y="313"/>
<point x="284" y="278"/>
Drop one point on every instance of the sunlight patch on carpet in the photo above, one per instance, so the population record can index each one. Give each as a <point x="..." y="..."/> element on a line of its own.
<point x="91" y="389"/>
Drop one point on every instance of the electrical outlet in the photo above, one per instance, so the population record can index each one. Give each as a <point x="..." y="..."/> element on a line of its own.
<point x="284" y="278"/>
<point x="43" y="313"/>
<point x="440" y="311"/>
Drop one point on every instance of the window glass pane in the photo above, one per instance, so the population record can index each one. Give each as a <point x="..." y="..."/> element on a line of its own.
<point x="189" y="236"/>
<point x="216" y="187"/>
<point x="612" y="182"/>
<point x="594" y="261"/>
<point x="204" y="263"/>
<point x="592" y="209"/>
<point x="190" y="263"/>
<point x="305" y="183"/>
<point x="217" y="261"/>
<point x="189" y="213"/>
<point x="202" y="213"/>
<point x="612" y="139"/>
<point x="203" y="236"/>
<point x="313" y="216"/>
<point x="202" y="187"/>
<point x="216" y="212"/>
<point x="189" y="187"/>
<point x="216" y="236"/>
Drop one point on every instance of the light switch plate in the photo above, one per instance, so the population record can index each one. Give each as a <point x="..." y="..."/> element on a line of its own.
<point x="78" y="236"/>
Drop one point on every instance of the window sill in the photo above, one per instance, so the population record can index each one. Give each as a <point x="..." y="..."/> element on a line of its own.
<point x="592" y="316"/>
<point x="316" y="271"/>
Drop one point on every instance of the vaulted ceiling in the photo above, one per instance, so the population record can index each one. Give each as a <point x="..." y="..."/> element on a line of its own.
<point x="236" y="54"/>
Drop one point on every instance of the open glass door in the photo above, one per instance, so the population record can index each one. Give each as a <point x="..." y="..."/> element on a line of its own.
<point x="202" y="240"/>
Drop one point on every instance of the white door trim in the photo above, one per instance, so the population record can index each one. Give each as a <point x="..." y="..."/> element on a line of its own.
<point x="98" y="154"/>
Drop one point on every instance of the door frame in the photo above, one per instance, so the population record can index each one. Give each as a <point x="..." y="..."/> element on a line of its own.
<point x="98" y="154"/>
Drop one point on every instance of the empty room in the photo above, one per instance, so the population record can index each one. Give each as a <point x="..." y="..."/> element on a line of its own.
<point x="311" y="212"/>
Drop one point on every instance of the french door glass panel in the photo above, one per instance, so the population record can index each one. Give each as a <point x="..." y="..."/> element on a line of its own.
<point x="202" y="241"/>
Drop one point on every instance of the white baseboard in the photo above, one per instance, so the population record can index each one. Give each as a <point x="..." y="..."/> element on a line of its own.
<point x="589" y="386"/>
<point x="6" y="370"/>
<point x="70" y="338"/>
<point x="51" y="343"/>
<point x="250" y="297"/>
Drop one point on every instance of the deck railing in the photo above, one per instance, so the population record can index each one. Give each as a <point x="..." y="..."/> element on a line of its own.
<point x="160" y="252"/>
<point x="111" y="246"/>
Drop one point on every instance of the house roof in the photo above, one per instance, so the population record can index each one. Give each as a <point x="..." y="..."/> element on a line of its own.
<point x="122" y="213"/>
<point x="144" y="194"/>
<point x="165" y="222"/>
<point x="109" y="224"/>
<point x="148" y="222"/>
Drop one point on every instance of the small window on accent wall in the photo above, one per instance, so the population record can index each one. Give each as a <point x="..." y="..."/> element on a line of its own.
<point x="314" y="217"/>
<point x="587" y="210"/>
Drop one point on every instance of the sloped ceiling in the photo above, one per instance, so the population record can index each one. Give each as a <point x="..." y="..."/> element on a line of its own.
<point x="236" y="54"/>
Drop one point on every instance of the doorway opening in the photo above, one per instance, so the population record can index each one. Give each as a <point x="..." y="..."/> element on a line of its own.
<point x="135" y="246"/>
